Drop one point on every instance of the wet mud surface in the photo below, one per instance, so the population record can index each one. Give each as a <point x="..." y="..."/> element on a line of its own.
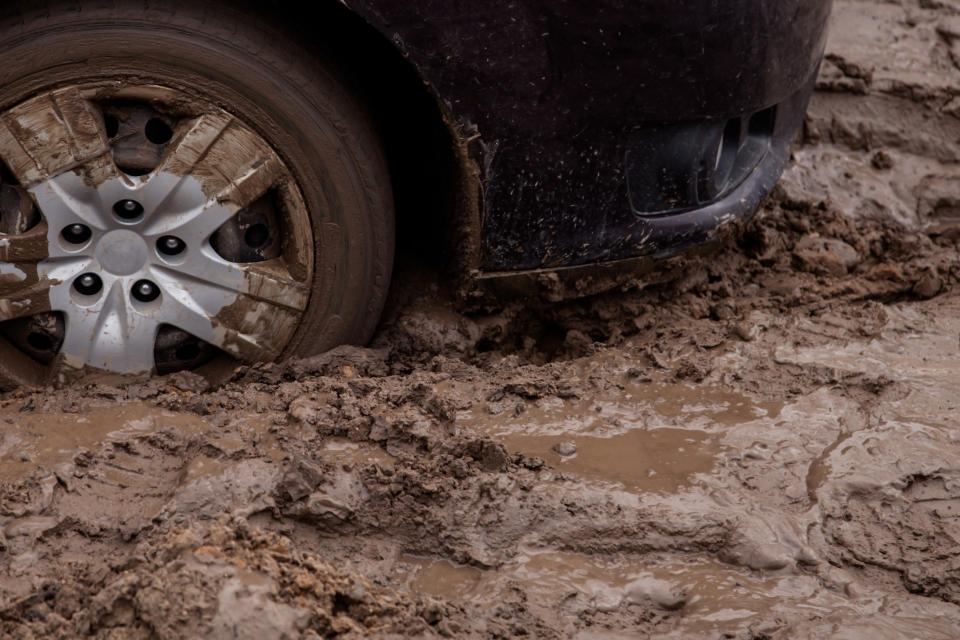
<point x="760" y="444"/>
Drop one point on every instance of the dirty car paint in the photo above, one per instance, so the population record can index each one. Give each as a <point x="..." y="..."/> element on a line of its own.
<point x="552" y="90"/>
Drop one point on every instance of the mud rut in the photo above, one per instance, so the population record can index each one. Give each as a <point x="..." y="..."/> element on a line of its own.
<point x="761" y="444"/>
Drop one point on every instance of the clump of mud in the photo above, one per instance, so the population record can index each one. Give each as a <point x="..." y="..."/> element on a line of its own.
<point x="760" y="443"/>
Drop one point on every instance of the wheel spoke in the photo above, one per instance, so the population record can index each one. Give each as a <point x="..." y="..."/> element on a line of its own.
<point x="232" y="162"/>
<point x="27" y="291"/>
<point x="248" y="315"/>
<point x="52" y="133"/>
<point x="68" y="198"/>
<point x="255" y="330"/>
<point x="271" y="282"/>
<point x="195" y="141"/>
<point x="208" y="292"/>
<point x="236" y="165"/>
<point x="204" y="267"/>
<point x="189" y="313"/>
<point x="198" y="223"/>
<point x="110" y="335"/>
<point x="268" y="282"/>
<point x="29" y="247"/>
<point x="19" y="299"/>
<point x="251" y="181"/>
<point x="205" y="167"/>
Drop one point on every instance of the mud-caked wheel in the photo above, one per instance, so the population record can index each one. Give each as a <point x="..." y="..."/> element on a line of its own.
<point x="181" y="187"/>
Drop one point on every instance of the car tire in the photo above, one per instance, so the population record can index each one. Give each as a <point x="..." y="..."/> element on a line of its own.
<point x="218" y="55"/>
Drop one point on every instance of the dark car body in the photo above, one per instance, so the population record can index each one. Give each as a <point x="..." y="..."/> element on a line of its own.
<point x="566" y="145"/>
<point x="610" y="129"/>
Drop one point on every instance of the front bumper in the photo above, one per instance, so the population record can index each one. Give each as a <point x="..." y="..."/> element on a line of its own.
<point x="689" y="136"/>
<point x="684" y="183"/>
<point x="684" y="191"/>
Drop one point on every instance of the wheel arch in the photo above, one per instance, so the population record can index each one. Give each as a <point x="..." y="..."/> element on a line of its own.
<point x="436" y="181"/>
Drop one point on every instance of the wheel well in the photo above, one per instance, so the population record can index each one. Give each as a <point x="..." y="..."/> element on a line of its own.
<point x="436" y="185"/>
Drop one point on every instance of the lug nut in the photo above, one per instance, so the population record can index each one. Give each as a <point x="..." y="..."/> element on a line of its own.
<point x="145" y="291"/>
<point x="128" y="209"/>
<point x="88" y="284"/>
<point x="170" y="245"/>
<point x="76" y="233"/>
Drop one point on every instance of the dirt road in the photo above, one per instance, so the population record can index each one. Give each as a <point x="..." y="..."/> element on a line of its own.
<point x="761" y="444"/>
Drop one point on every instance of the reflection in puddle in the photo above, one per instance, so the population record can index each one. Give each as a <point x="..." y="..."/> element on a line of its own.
<point x="718" y="404"/>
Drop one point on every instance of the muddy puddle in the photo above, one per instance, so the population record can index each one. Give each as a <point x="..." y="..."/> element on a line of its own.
<point x="708" y="599"/>
<point x="37" y="441"/>
<point x="656" y="460"/>
<point x="641" y="436"/>
<point x="630" y="405"/>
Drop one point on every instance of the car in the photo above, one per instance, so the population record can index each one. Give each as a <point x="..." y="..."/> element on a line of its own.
<point x="191" y="184"/>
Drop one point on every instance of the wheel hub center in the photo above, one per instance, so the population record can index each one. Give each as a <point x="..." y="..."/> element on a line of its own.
<point x="122" y="252"/>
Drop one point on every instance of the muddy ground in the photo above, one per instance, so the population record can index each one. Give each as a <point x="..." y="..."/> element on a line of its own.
<point x="761" y="444"/>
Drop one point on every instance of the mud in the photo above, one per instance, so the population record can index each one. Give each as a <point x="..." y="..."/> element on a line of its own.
<point x="761" y="443"/>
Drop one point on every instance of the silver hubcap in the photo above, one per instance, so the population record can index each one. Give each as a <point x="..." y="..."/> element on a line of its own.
<point x="115" y="328"/>
<point x="122" y="256"/>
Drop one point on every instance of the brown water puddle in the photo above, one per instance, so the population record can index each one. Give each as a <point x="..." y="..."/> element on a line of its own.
<point x="641" y="460"/>
<point x="645" y="436"/>
<point x="39" y="440"/>
<point x="703" y="587"/>
<point x="637" y="405"/>
<point x="709" y="597"/>
<point x="715" y="403"/>
<point x="442" y="578"/>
